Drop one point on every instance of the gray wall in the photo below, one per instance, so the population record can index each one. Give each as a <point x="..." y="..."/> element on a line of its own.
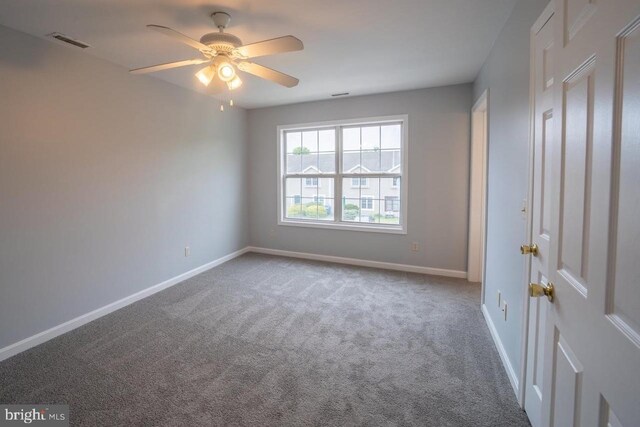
<point x="105" y="177"/>
<point x="506" y="75"/>
<point x="439" y="124"/>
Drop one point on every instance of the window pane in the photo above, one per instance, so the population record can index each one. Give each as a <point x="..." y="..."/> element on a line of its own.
<point x="350" y="209"/>
<point x="314" y="152"/>
<point x="294" y="142"/>
<point x="371" y="138"/>
<point x="390" y="200"/>
<point x="307" y="213"/>
<point x="351" y="161"/>
<point x="371" y="161"/>
<point x="327" y="151"/>
<point x="294" y="152"/>
<point x="315" y="200"/>
<point x="328" y="209"/>
<point x="360" y="199"/>
<point x="351" y="150"/>
<point x="390" y="137"/>
<point x="293" y="187"/>
<point x="391" y="161"/>
<point x="293" y="197"/>
<point x="310" y="141"/>
<point x="351" y="139"/>
<point x="310" y="163"/>
<point x="370" y="156"/>
<point x="327" y="140"/>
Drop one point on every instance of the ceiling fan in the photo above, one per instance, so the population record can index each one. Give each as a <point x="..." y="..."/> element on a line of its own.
<point x="225" y="54"/>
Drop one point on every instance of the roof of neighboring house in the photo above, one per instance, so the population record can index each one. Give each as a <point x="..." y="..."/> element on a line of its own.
<point x="374" y="161"/>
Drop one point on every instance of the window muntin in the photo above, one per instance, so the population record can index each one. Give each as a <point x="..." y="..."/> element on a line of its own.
<point x="347" y="174"/>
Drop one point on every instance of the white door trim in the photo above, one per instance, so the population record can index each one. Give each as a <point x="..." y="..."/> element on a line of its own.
<point x="478" y="189"/>
<point x="547" y="13"/>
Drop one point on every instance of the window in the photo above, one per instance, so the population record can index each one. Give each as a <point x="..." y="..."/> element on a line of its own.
<point x="366" y="202"/>
<point x="346" y="174"/>
<point x="391" y="204"/>
<point x="359" y="182"/>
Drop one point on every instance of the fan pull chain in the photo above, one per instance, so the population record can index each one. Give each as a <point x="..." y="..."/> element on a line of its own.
<point x="222" y="105"/>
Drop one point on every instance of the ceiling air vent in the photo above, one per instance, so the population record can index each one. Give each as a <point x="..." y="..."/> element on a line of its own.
<point x="69" y="40"/>
<point x="340" y="94"/>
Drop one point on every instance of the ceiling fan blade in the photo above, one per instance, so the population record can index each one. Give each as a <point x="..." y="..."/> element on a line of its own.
<point x="270" y="47"/>
<point x="181" y="37"/>
<point x="168" y="65"/>
<point x="268" y="74"/>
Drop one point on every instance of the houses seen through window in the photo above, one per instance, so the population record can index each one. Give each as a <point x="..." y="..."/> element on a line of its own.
<point x="344" y="174"/>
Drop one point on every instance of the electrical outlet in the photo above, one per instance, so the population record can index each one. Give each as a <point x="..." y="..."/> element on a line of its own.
<point x="272" y="232"/>
<point x="187" y="251"/>
<point x="415" y="247"/>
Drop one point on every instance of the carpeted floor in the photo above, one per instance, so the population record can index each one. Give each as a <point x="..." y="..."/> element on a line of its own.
<point x="272" y="341"/>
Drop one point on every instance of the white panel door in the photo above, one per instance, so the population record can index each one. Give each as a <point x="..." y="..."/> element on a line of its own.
<point x="592" y="345"/>
<point x="542" y="91"/>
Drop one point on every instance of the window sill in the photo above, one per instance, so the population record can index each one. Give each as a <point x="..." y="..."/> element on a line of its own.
<point x="345" y="226"/>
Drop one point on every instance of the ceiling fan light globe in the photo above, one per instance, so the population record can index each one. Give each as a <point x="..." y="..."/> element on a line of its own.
<point x="235" y="83"/>
<point x="226" y="72"/>
<point x="205" y="75"/>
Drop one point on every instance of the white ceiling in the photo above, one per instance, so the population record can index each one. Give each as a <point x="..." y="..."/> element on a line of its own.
<point x="356" y="46"/>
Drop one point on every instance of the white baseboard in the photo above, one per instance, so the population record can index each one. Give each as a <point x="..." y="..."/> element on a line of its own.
<point x="511" y="373"/>
<point x="44" y="336"/>
<point x="361" y="262"/>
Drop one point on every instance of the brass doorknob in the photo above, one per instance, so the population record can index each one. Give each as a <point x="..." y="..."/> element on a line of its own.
<point x="536" y="290"/>
<point x="529" y="249"/>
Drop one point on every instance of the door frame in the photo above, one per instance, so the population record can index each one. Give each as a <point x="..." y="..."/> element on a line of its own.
<point x="544" y="17"/>
<point x="478" y="208"/>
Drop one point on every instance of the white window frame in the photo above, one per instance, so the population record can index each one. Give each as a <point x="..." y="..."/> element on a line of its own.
<point x="339" y="176"/>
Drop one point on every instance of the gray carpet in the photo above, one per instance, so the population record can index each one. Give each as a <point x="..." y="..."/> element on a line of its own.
<point x="266" y="340"/>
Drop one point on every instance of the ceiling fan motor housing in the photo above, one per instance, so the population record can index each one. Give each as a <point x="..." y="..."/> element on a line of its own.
<point x="221" y="42"/>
